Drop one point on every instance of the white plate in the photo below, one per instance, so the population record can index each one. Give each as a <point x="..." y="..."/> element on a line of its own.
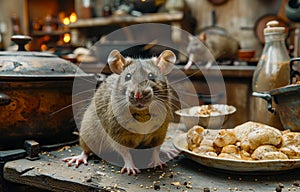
<point x="235" y="165"/>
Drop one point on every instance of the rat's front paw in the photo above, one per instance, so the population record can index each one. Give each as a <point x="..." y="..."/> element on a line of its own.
<point x="130" y="168"/>
<point x="82" y="158"/>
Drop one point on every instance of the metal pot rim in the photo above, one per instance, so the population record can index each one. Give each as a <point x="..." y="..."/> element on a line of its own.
<point x="284" y="90"/>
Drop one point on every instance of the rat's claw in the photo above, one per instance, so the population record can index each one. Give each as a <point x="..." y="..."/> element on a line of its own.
<point x="130" y="170"/>
<point x="157" y="163"/>
<point x="82" y="158"/>
<point x="170" y="153"/>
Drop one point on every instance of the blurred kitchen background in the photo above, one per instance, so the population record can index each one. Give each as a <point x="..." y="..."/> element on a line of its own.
<point x="47" y="22"/>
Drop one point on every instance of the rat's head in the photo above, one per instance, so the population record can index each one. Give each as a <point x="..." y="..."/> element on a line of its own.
<point x="196" y="43"/>
<point x="141" y="81"/>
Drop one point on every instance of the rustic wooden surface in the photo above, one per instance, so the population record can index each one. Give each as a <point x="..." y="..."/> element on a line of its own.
<point x="182" y="174"/>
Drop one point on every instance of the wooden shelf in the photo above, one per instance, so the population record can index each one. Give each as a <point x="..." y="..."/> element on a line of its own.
<point x="127" y="20"/>
<point x="52" y="33"/>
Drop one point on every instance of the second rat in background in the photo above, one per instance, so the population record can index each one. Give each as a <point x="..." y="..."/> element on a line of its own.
<point x="130" y="110"/>
<point x="210" y="46"/>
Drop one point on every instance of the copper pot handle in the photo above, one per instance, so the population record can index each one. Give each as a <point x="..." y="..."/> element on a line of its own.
<point x="293" y="73"/>
<point x="4" y="99"/>
<point x="268" y="98"/>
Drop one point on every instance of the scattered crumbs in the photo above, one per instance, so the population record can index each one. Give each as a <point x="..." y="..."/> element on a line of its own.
<point x="157" y="186"/>
<point x="296" y="183"/>
<point x="63" y="148"/>
<point x="176" y="183"/>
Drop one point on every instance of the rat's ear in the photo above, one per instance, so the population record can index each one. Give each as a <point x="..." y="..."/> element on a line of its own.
<point x="165" y="61"/>
<point x="116" y="61"/>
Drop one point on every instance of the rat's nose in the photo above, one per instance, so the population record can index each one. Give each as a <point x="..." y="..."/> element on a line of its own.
<point x="138" y="95"/>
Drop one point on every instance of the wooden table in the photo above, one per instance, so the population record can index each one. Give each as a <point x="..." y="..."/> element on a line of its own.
<point x="182" y="174"/>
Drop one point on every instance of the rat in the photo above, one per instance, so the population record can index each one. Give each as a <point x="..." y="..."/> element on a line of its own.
<point x="131" y="109"/>
<point x="220" y="46"/>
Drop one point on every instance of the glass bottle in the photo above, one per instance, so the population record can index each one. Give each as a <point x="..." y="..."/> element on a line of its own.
<point x="272" y="72"/>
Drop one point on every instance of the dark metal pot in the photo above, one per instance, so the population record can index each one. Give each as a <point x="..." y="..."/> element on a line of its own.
<point x="36" y="97"/>
<point x="287" y="100"/>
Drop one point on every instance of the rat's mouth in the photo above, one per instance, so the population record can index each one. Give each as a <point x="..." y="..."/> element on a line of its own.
<point x="140" y="106"/>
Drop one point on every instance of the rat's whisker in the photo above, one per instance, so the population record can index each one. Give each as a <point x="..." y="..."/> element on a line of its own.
<point x="86" y="80"/>
<point x="86" y="91"/>
<point x="71" y="105"/>
<point x="186" y="78"/>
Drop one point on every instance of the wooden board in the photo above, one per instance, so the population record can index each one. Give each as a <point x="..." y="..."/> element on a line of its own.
<point x="182" y="174"/>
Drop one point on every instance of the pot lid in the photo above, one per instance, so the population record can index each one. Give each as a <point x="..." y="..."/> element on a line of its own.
<point x="34" y="64"/>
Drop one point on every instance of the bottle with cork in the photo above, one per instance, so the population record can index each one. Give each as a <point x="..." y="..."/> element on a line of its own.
<point x="272" y="71"/>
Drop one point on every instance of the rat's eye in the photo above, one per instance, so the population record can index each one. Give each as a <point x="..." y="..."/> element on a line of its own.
<point x="127" y="77"/>
<point x="151" y="76"/>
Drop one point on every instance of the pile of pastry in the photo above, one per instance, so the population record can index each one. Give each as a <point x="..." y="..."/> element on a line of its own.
<point x="249" y="141"/>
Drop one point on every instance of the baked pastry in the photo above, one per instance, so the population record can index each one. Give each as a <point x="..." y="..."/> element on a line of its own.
<point x="229" y="156"/>
<point x="264" y="135"/>
<point x="291" y="144"/>
<point x="259" y="152"/>
<point x="224" y="138"/>
<point x="249" y="141"/>
<point x="231" y="152"/>
<point x="242" y="131"/>
<point x="245" y="155"/>
<point x="274" y="155"/>
<point x="253" y="134"/>
<point x="194" y="137"/>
